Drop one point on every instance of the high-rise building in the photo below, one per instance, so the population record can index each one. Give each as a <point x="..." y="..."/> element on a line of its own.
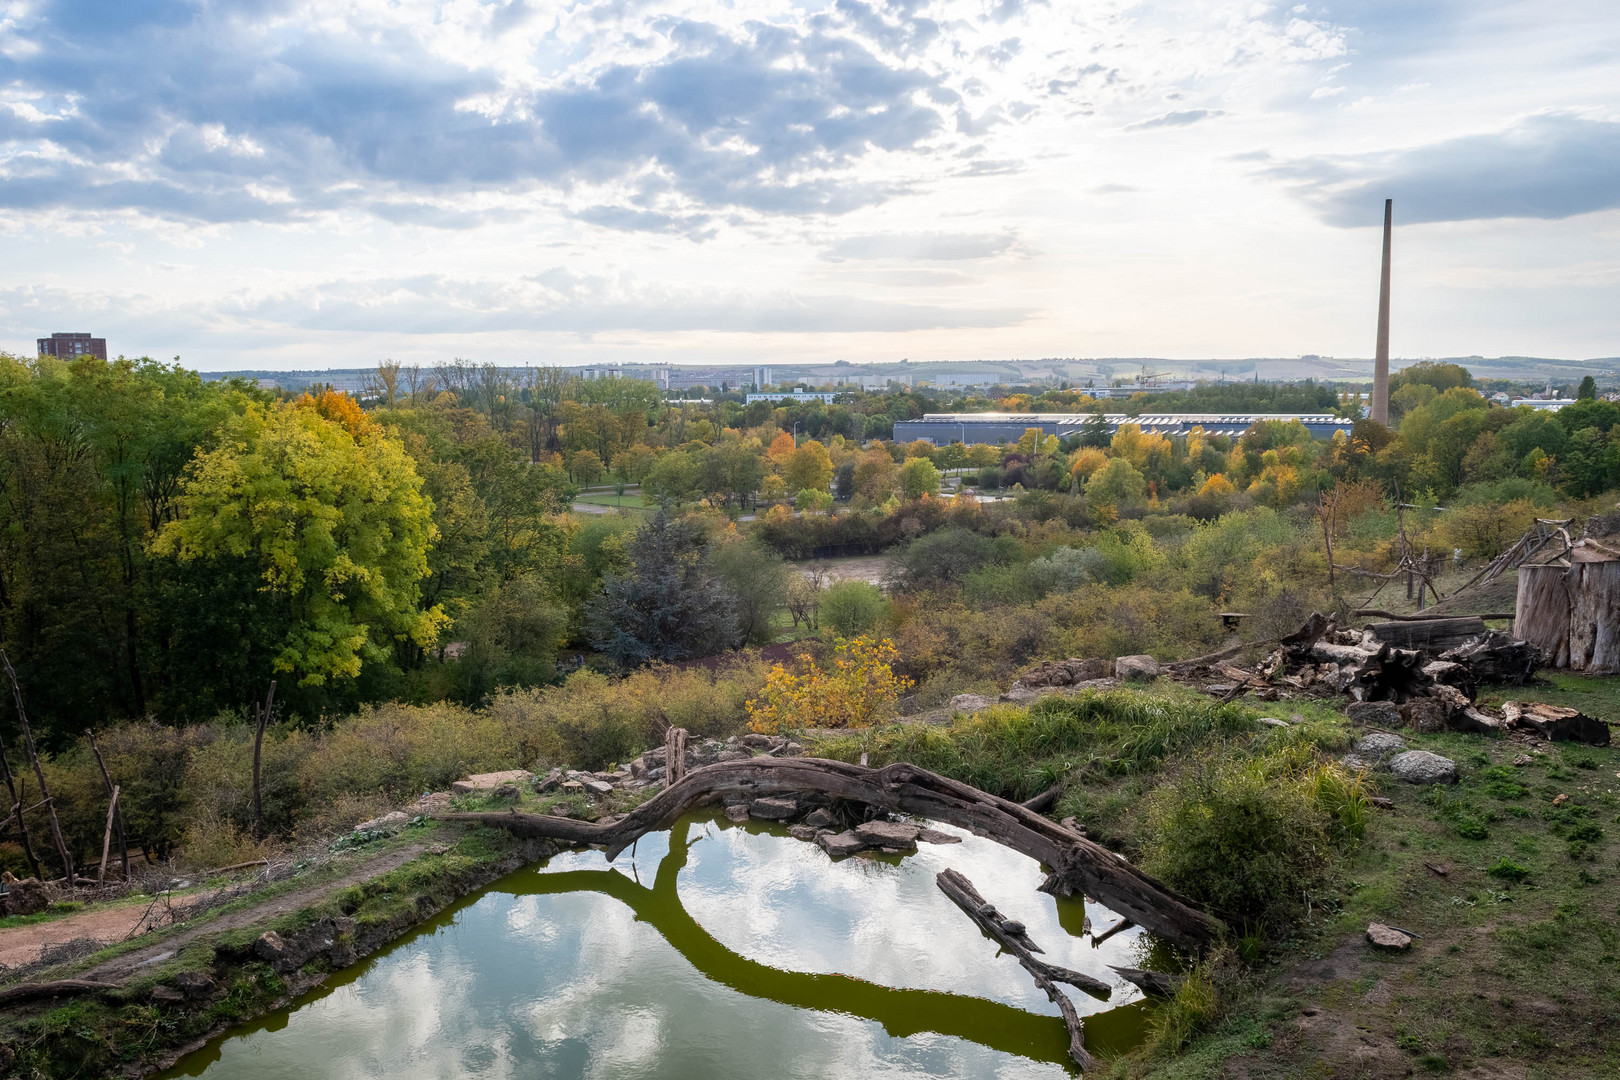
<point x="68" y="346"/>
<point x="1380" y="393"/>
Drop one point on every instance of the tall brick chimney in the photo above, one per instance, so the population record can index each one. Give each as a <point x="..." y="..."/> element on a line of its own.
<point x="1380" y="394"/>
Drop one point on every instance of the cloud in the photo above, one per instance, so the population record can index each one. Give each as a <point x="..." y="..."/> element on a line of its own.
<point x="258" y="115"/>
<point x="1552" y="165"/>
<point x="1176" y="119"/>
<point x="921" y="246"/>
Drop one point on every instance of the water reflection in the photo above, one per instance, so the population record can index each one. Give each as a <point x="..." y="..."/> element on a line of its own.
<point x="768" y="960"/>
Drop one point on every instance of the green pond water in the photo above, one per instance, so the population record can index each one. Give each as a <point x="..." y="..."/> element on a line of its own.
<point x="716" y="951"/>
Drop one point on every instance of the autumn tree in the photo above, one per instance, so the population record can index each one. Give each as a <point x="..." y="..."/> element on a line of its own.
<point x="335" y="523"/>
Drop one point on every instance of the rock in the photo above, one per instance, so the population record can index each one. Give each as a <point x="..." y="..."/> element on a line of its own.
<point x="803" y="832"/>
<point x="269" y="947"/>
<point x="791" y="749"/>
<point x="571" y="787"/>
<point x="773" y="809"/>
<point x="1521" y="760"/>
<point x="507" y="793"/>
<point x="1385" y="937"/>
<point x="934" y="836"/>
<point x="194" y="984"/>
<point x="1138" y="668"/>
<point x="1560" y="800"/>
<point x="600" y="788"/>
<point x="737" y="812"/>
<point x="820" y="817"/>
<point x="1383" y="714"/>
<point x="167" y="995"/>
<point x="29" y="896"/>
<point x="1422" y="767"/>
<point x="1019" y="695"/>
<point x="431" y="805"/>
<point x="1355" y="763"/>
<point x="553" y="780"/>
<point x="893" y="834"/>
<point x="1379" y="744"/>
<point x="1426" y="715"/>
<point x="844" y="843"/>
<point x="1064" y="672"/>
<point x="733" y="755"/>
<point x="756" y="741"/>
<point x="970" y="703"/>
<point x="486" y="782"/>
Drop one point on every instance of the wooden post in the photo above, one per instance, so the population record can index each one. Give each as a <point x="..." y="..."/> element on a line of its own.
<point x="258" y="744"/>
<point x="106" y="840"/>
<point x="674" y="756"/>
<point x="17" y="811"/>
<point x="39" y="771"/>
<point x="118" y="819"/>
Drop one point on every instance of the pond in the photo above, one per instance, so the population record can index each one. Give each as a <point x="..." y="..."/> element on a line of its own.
<point x="715" y="951"/>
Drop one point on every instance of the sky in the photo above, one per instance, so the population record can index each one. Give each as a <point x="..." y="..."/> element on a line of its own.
<point x="278" y="184"/>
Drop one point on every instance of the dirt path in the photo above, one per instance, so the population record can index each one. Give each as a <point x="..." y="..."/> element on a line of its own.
<point x="108" y="926"/>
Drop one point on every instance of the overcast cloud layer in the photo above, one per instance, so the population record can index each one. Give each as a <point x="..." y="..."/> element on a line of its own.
<point x="276" y="183"/>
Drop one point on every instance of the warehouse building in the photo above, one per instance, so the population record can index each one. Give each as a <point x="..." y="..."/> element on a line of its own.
<point x="941" y="429"/>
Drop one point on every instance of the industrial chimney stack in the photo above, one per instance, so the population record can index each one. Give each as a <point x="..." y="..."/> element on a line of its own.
<point x="1380" y="394"/>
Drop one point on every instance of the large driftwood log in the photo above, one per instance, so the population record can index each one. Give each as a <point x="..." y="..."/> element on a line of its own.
<point x="11" y="995"/>
<point x="1046" y="976"/>
<point x="1077" y="865"/>
<point x="1429" y="635"/>
<point x="1497" y="657"/>
<point x="1556" y="723"/>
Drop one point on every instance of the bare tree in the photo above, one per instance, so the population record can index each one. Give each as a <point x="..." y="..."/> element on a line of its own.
<point x="384" y="382"/>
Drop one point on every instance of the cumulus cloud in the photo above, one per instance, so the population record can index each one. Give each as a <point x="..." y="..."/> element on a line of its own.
<point x="1553" y="165"/>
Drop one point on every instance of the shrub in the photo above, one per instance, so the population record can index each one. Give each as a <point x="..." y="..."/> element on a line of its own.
<point x="851" y="608"/>
<point x="859" y="688"/>
<point x="1237" y="838"/>
<point x="1507" y="871"/>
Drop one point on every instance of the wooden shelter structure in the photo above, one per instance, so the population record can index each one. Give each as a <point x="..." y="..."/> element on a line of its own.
<point x="1569" y="606"/>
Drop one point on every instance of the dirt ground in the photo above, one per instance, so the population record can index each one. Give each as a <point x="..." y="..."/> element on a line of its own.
<point x="22" y="944"/>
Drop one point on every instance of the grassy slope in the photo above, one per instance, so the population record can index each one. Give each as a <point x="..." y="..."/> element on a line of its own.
<point x="1511" y="978"/>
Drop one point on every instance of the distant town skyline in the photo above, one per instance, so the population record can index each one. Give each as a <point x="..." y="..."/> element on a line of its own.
<point x="298" y="187"/>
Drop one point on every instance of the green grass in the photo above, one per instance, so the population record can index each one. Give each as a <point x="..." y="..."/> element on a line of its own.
<point x="630" y="500"/>
<point x="1595" y="696"/>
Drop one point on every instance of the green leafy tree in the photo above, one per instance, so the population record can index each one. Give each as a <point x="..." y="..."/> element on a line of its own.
<point x="668" y="604"/>
<point x="1116" y="482"/>
<point x="1588" y="389"/>
<point x="809" y="466"/>
<point x="336" y="522"/>
<point x="512" y="638"/>
<point x="850" y="608"/>
<point x="758" y="578"/>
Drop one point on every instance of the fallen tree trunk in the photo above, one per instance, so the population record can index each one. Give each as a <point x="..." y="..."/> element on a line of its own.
<point x="1046" y="976"/>
<point x="1151" y="983"/>
<point x="1429" y="635"/>
<point x="1077" y="865"/>
<point x="1556" y="723"/>
<point x="11" y="995"/>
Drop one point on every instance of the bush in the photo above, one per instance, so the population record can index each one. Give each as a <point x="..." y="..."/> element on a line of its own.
<point x="856" y="689"/>
<point x="1246" y="843"/>
<point x="851" y="608"/>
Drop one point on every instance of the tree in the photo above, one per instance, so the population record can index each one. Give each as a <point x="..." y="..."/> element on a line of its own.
<point x="810" y="466"/>
<point x="586" y="466"/>
<point x="674" y="476"/>
<point x="668" y="605"/>
<point x="947" y="555"/>
<point x="336" y="524"/>
<point x="853" y="607"/>
<point x="634" y="461"/>
<point x="758" y="578"/>
<point x="918" y="478"/>
<point x="1588" y="389"/>
<point x="1116" y="482"/>
<point x="512" y="639"/>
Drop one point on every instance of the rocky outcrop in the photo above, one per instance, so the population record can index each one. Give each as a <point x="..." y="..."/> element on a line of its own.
<point x="1138" y="668"/>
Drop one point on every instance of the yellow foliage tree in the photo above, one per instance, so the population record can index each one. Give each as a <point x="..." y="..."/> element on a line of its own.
<point x="1217" y="485"/>
<point x="781" y="450"/>
<point x="1087" y="462"/>
<point x="858" y="689"/>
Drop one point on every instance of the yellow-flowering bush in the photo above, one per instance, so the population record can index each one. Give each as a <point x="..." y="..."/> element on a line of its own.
<point x="859" y="687"/>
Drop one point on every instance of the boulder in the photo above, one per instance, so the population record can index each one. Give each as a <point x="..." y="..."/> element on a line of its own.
<point x="1387" y="937"/>
<point x="167" y="995"/>
<point x="194" y="984"/>
<point x="733" y="755"/>
<point x="1422" y="767"/>
<point x="482" y="783"/>
<point x="432" y="804"/>
<point x="1384" y="714"/>
<point x="737" y="812"/>
<point x="1424" y="715"/>
<point x="1379" y="744"/>
<point x="803" y="832"/>
<point x="820" y="818"/>
<point x="507" y="793"/>
<point x="934" y="836"/>
<point x="756" y="741"/>
<point x="600" y="788"/>
<point x="970" y="703"/>
<point x="1271" y="721"/>
<point x="773" y="809"/>
<point x="269" y="947"/>
<point x="889" y="834"/>
<point x="844" y="843"/>
<point x="1064" y="672"/>
<point x="1138" y="668"/>
<point x="571" y="787"/>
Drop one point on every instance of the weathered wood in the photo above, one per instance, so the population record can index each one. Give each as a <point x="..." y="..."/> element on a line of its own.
<point x="674" y="756"/>
<point x="106" y="840"/>
<point x="1077" y="865"/>
<point x="11" y="995"/>
<point x="1219" y="655"/>
<point x="236" y="866"/>
<point x="17" y="811"/>
<point x="1543" y="611"/>
<point x="39" y="770"/>
<point x="262" y="720"/>
<point x="1151" y="983"/>
<point x="1381" y="613"/>
<point x="1496" y="657"/>
<point x="1594" y="619"/>
<point x="1429" y="635"/>
<point x="1123" y="924"/>
<point x="1046" y="976"/>
<point x="118" y="819"/>
<point x="1043" y="802"/>
<point x="1556" y="723"/>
